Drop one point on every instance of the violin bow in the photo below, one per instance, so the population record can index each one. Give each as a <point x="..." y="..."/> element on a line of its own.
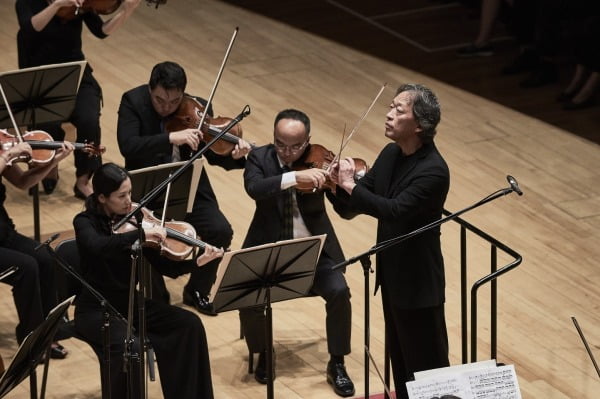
<point x="12" y="118"/>
<point x="356" y="126"/>
<point x="164" y="212"/>
<point x="14" y="123"/>
<point x="214" y="88"/>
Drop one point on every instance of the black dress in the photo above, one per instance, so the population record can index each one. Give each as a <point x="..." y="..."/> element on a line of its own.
<point x="176" y="335"/>
<point x="33" y="282"/>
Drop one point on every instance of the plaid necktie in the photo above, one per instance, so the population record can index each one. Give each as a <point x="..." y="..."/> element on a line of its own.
<point x="287" y="223"/>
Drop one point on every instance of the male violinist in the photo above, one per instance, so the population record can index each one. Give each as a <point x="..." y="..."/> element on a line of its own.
<point x="144" y="142"/>
<point x="43" y="39"/>
<point x="282" y="213"/>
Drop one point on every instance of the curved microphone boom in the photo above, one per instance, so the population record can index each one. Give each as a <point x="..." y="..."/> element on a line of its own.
<point x="514" y="185"/>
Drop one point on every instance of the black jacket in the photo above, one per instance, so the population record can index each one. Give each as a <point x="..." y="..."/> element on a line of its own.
<point x="405" y="193"/>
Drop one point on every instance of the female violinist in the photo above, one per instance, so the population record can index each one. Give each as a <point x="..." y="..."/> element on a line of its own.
<point x="177" y="335"/>
<point x="33" y="282"/>
<point x="44" y="38"/>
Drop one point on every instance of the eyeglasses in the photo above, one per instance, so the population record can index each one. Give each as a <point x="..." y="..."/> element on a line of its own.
<point x="291" y="148"/>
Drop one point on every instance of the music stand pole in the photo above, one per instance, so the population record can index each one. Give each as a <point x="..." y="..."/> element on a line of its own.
<point x="107" y="307"/>
<point x="258" y="276"/>
<point x="514" y="187"/>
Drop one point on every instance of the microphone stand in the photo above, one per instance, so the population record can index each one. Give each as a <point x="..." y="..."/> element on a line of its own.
<point x="107" y="310"/>
<point x="365" y="260"/>
<point x="137" y="257"/>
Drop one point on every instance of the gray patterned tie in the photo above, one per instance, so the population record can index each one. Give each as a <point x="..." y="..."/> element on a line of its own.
<point x="287" y="222"/>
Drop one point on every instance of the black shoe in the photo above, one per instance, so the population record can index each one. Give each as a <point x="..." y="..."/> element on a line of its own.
<point x="49" y="184"/>
<point x="78" y="193"/>
<point x="338" y="377"/>
<point x="260" y="373"/>
<point x="571" y="106"/>
<point x="58" y="352"/>
<point x="199" y="302"/>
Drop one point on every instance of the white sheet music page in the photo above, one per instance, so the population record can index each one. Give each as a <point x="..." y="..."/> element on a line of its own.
<point x="478" y="383"/>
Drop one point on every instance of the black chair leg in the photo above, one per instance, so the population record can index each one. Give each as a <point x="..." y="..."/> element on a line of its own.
<point x="250" y="362"/>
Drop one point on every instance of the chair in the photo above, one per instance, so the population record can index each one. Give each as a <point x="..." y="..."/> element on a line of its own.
<point x="67" y="285"/>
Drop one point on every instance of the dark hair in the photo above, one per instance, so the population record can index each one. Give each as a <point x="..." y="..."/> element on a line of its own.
<point x="295" y="115"/>
<point x="426" y="109"/>
<point x="169" y="75"/>
<point x="106" y="180"/>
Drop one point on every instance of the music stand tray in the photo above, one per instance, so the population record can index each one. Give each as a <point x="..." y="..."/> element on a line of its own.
<point x="183" y="189"/>
<point x="286" y="268"/>
<point x="32" y="349"/>
<point x="41" y="94"/>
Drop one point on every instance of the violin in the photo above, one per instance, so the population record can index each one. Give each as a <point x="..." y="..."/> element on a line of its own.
<point x="317" y="156"/>
<point x="188" y="116"/>
<point x="101" y="7"/>
<point x="43" y="146"/>
<point x="181" y="236"/>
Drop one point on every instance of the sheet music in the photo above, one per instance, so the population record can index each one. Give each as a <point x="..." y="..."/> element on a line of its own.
<point x="480" y="383"/>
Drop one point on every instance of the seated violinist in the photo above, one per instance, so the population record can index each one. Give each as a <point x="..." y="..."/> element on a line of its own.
<point x="176" y="335"/>
<point x="148" y="136"/>
<point x="33" y="281"/>
<point x="284" y="212"/>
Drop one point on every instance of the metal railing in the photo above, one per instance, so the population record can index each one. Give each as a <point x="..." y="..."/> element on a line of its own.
<point x="492" y="277"/>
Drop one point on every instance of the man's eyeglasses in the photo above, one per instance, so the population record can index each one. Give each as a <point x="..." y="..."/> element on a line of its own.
<point x="291" y="148"/>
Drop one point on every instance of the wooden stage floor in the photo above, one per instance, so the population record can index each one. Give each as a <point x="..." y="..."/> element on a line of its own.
<point x="555" y="225"/>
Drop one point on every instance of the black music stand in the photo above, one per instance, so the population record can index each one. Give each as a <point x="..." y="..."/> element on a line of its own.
<point x="182" y="193"/>
<point x="261" y="275"/>
<point x="31" y="351"/>
<point x="39" y="95"/>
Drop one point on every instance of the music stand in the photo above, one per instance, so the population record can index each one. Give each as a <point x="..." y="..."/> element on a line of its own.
<point x="39" y="95"/>
<point x="183" y="189"/>
<point x="31" y="351"/>
<point x="264" y="274"/>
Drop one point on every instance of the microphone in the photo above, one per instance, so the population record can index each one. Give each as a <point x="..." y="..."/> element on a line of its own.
<point x="47" y="242"/>
<point x="514" y="185"/>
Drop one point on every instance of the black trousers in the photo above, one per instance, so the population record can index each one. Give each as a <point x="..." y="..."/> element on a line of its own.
<point x="213" y="228"/>
<point x="86" y="118"/>
<point x="177" y="337"/>
<point x="33" y="282"/>
<point x="330" y="285"/>
<point x="417" y="340"/>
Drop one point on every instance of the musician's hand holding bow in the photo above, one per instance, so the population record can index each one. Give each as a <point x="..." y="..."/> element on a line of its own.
<point x="191" y="137"/>
<point x="209" y="254"/>
<point x="314" y="176"/>
<point x="155" y="234"/>
<point x="22" y="149"/>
